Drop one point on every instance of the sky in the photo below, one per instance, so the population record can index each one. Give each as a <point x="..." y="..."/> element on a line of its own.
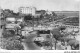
<point x="52" y="5"/>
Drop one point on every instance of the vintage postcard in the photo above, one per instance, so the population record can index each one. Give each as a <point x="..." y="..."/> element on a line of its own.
<point x="39" y="25"/>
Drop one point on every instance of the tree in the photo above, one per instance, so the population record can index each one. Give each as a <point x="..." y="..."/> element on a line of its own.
<point x="74" y="43"/>
<point x="27" y="17"/>
<point x="54" y="14"/>
<point x="57" y="34"/>
<point x="8" y="33"/>
<point x="7" y="12"/>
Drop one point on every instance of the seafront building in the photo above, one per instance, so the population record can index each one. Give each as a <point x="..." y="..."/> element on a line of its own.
<point x="27" y="10"/>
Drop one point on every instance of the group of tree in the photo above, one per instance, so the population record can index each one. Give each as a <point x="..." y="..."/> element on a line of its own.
<point x="11" y="41"/>
<point x="9" y="44"/>
<point x="8" y="12"/>
<point x="64" y="38"/>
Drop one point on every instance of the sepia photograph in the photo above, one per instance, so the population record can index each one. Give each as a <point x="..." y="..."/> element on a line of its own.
<point x="39" y="25"/>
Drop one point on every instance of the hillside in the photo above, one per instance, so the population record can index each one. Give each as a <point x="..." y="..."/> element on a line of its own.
<point x="67" y="13"/>
<point x="71" y="21"/>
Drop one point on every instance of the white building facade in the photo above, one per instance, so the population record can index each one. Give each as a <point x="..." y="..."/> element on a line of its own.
<point x="27" y="10"/>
